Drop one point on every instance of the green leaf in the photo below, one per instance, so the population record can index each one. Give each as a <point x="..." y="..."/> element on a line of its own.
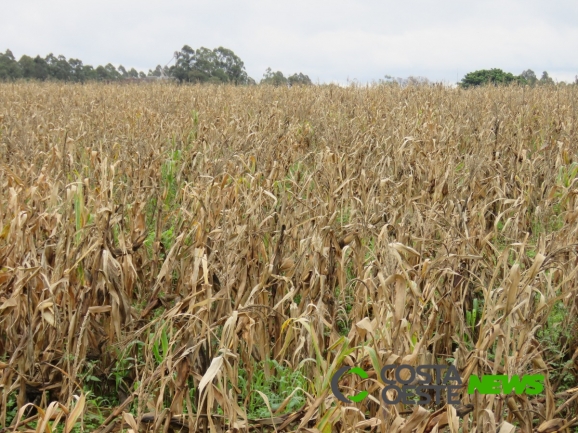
<point x="165" y="342"/>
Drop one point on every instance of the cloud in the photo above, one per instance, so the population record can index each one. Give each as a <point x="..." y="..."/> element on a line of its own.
<point x="328" y="40"/>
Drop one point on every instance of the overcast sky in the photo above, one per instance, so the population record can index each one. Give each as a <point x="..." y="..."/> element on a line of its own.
<point x="332" y="40"/>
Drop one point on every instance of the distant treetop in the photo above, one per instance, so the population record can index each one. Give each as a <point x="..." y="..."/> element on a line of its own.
<point x="278" y="79"/>
<point x="497" y="76"/>
<point x="59" y="68"/>
<point x="219" y="65"/>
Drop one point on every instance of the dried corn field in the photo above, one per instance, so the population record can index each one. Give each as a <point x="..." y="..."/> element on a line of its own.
<point x="206" y="258"/>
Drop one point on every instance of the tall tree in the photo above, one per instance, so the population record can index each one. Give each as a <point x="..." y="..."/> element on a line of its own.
<point x="546" y="79"/>
<point x="274" y="78"/>
<point x="58" y="67"/>
<point x="112" y="72"/>
<point x="77" y="70"/>
<point x="529" y="76"/>
<point x="36" y="68"/>
<point x="101" y="73"/>
<point x="299" y="79"/>
<point x="9" y="67"/>
<point x="156" y="72"/>
<point x="220" y="65"/>
<point x="159" y="71"/>
<point x="231" y="65"/>
<point x="185" y="62"/>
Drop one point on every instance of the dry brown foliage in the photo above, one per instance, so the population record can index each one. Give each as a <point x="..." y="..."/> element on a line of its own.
<point x="189" y="233"/>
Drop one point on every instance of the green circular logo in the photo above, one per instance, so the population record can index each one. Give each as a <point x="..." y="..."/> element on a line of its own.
<point x="335" y="384"/>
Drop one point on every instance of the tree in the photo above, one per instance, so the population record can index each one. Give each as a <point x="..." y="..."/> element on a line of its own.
<point x="156" y="72"/>
<point x="77" y="70"/>
<point x="89" y="73"/>
<point x="231" y="65"/>
<point x="546" y="80"/>
<point x="36" y="68"/>
<point x="192" y="66"/>
<point x="274" y="78"/>
<point x="278" y="79"/>
<point x="159" y="72"/>
<point x="299" y="79"/>
<point x="102" y="73"/>
<point x="184" y="63"/>
<point x="9" y="67"/>
<point x="203" y="65"/>
<point x="529" y="76"/>
<point x="489" y="76"/>
<point x="41" y="68"/>
<point x="58" y="67"/>
<point x="112" y="72"/>
<point x="220" y="65"/>
<point x="27" y="66"/>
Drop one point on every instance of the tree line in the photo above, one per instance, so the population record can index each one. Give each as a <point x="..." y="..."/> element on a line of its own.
<point x="482" y="77"/>
<point x="59" y="68"/>
<point x="498" y="77"/>
<point x="220" y="65"/>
